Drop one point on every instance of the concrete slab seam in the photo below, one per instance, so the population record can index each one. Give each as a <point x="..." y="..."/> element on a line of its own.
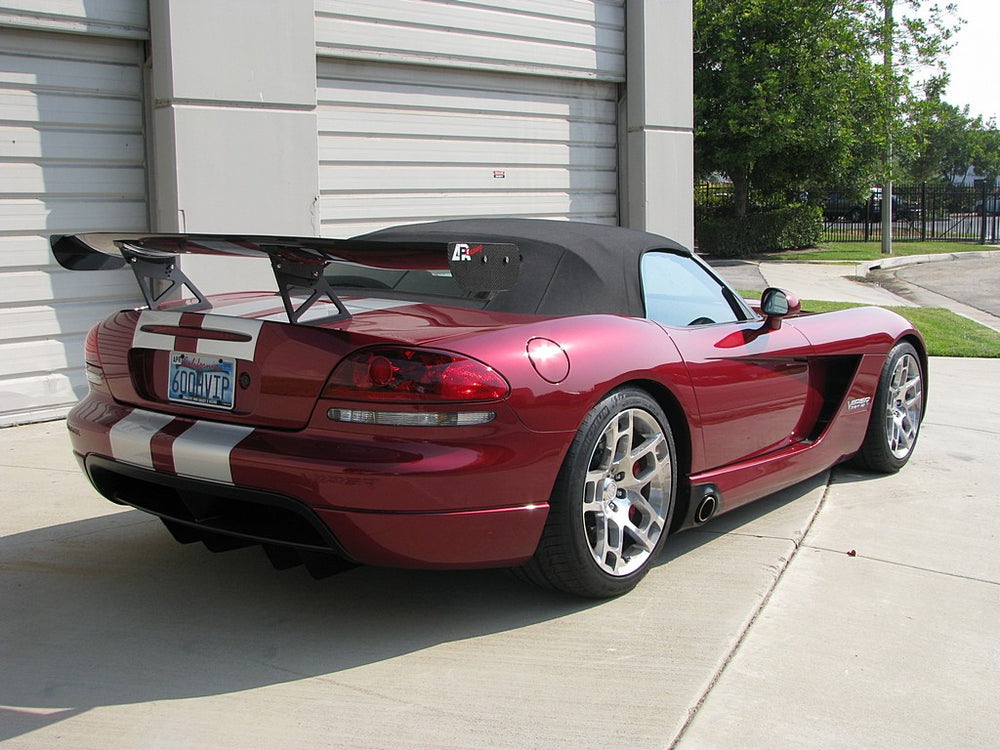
<point x="897" y="564"/>
<point x="745" y="631"/>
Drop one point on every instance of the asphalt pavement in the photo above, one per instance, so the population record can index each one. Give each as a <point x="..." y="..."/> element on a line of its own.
<point x="850" y="611"/>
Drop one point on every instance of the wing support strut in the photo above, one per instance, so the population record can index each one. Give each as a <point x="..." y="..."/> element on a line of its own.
<point x="298" y="280"/>
<point x="149" y="271"/>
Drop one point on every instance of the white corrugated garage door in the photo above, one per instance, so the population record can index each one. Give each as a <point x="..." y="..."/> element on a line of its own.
<point x="72" y="159"/>
<point x="404" y="143"/>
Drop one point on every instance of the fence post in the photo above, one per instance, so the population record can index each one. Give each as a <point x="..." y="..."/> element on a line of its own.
<point x="923" y="211"/>
<point x="982" y="224"/>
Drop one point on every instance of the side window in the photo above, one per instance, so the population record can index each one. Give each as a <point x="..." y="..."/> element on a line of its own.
<point x="678" y="291"/>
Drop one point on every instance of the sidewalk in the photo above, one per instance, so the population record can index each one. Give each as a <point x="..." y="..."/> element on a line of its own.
<point x="895" y="645"/>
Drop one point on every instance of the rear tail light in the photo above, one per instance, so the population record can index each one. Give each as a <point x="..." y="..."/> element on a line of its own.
<point x="414" y="376"/>
<point x="92" y="358"/>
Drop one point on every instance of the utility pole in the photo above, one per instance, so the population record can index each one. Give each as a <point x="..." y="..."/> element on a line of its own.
<point x="887" y="40"/>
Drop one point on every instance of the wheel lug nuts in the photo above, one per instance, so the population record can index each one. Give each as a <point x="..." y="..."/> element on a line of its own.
<point x="619" y="476"/>
<point x="620" y="494"/>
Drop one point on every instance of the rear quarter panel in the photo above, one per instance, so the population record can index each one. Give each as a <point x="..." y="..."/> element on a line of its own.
<point x="604" y="352"/>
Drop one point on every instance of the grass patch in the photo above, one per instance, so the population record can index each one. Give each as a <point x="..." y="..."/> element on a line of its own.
<point x="946" y="334"/>
<point x="859" y="251"/>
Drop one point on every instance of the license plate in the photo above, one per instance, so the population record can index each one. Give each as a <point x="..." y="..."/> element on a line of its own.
<point x="201" y="380"/>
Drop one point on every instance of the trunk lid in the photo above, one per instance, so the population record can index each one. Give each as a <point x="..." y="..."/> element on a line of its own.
<point x="242" y="362"/>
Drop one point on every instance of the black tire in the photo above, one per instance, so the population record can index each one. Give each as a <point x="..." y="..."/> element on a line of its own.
<point x="897" y="411"/>
<point x="611" y="506"/>
<point x="855" y="215"/>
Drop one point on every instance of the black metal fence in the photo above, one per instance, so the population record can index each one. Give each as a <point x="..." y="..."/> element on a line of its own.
<point x="919" y="212"/>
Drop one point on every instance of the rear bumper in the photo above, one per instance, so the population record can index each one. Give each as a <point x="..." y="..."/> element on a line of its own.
<point x="470" y="498"/>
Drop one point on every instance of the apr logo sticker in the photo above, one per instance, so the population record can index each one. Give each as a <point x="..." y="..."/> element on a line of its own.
<point x="463" y="251"/>
<point x="855" y="404"/>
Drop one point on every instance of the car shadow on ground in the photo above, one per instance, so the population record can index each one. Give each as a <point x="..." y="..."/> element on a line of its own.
<point x="110" y="611"/>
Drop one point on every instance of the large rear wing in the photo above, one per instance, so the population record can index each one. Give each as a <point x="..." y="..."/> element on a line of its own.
<point x="298" y="263"/>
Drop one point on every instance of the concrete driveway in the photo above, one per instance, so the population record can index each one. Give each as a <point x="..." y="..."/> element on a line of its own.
<point x="757" y="630"/>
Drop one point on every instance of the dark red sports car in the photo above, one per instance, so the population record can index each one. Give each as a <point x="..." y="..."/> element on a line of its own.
<point x="548" y="396"/>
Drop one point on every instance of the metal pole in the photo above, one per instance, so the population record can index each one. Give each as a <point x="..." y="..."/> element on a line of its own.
<point x="986" y="213"/>
<point x="890" y="112"/>
<point x="923" y="211"/>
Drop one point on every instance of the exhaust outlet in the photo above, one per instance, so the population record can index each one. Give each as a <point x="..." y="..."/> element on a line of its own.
<point x="706" y="508"/>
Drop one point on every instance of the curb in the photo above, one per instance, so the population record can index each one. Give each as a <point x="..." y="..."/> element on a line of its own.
<point x="883" y="264"/>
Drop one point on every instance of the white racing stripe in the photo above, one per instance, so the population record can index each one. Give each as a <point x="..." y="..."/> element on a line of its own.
<point x="131" y="437"/>
<point x="203" y="450"/>
<point x="251" y="308"/>
<point x="163" y="342"/>
<point x="144" y="340"/>
<point x="235" y="349"/>
<point x="354" y="307"/>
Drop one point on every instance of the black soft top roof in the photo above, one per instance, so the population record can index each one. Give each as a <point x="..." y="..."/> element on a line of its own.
<point x="568" y="268"/>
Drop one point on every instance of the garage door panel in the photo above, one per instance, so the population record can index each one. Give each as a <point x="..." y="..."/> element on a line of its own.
<point x="116" y="17"/>
<point x="69" y="216"/>
<point x="476" y="19"/>
<point x="466" y="48"/>
<point x="470" y="125"/>
<point x="66" y="110"/>
<point x="41" y="356"/>
<point x="23" y="251"/>
<point x="40" y="396"/>
<point x="353" y="207"/>
<point x="566" y="38"/>
<point x="365" y="151"/>
<point x="402" y="143"/>
<point x="46" y="145"/>
<point x="50" y="72"/>
<point x="462" y="98"/>
<point x="57" y="286"/>
<point x="422" y="178"/>
<point x="54" y="321"/>
<point x="61" y="180"/>
<point x="72" y="159"/>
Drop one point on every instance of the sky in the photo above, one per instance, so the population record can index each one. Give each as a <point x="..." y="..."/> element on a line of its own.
<point x="974" y="63"/>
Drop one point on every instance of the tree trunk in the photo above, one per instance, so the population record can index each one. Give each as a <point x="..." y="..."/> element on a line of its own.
<point x="740" y="190"/>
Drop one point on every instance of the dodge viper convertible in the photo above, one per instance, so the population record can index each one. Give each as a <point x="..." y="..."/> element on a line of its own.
<point x="553" y="397"/>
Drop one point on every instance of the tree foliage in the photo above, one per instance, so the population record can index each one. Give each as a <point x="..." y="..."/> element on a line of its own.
<point x="941" y="138"/>
<point x="794" y="93"/>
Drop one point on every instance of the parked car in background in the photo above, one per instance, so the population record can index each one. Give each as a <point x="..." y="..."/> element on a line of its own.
<point x="838" y="206"/>
<point x="991" y="206"/>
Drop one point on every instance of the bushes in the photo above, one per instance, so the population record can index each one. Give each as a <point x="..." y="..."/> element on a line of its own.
<point x="727" y="236"/>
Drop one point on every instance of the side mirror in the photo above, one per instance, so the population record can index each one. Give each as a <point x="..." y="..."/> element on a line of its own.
<point x="776" y="304"/>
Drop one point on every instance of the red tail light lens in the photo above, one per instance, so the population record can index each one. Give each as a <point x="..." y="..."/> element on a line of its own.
<point x="414" y="375"/>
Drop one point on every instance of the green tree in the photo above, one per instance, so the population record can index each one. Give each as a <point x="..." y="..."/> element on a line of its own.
<point x="986" y="155"/>
<point x="943" y="140"/>
<point x="793" y="93"/>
